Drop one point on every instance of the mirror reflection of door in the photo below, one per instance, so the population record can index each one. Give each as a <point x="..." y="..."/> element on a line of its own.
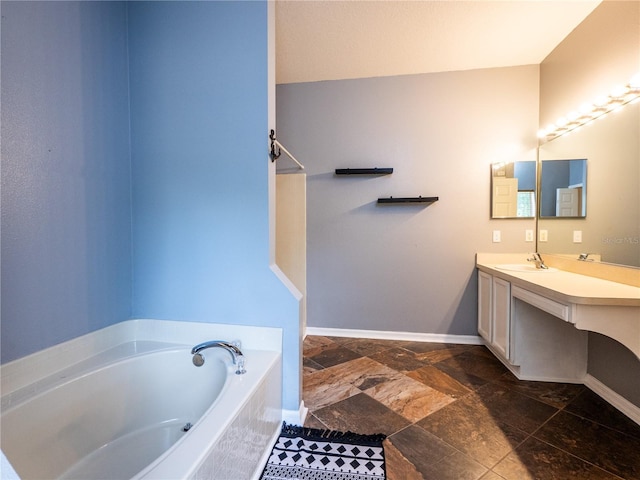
<point x="505" y="197"/>
<point x="568" y="202"/>
<point x="513" y="190"/>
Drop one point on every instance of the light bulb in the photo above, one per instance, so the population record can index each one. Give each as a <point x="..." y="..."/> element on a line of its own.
<point x="618" y="91"/>
<point x="601" y="101"/>
<point x="586" y="111"/>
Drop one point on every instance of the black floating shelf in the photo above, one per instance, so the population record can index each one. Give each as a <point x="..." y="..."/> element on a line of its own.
<point x="408" y="200"/>
<point x="364" y="171"/>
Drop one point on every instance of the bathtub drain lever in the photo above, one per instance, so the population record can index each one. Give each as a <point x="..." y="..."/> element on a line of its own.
<point x="187" y="427"/>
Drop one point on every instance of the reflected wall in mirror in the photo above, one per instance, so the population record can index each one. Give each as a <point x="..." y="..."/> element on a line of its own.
<point x="513" y="190"/>
<point x="612" y="228"/>
<point x="563" y="188"/>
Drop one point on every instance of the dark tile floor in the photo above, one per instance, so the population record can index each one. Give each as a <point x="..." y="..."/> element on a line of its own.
<point x="455" y="412"/>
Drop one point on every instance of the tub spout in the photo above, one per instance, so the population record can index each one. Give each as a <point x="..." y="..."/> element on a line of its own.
<point x="234" y="350"/>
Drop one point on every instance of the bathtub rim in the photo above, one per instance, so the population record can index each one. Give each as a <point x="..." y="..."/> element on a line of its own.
<point x="28" y="370"/>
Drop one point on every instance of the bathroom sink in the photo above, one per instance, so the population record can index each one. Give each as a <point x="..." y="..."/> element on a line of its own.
<point x="524" y="267"/>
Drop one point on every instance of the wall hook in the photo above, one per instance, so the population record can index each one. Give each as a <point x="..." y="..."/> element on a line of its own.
<point x="280" y="148"/>
<point x="274" y="154"/>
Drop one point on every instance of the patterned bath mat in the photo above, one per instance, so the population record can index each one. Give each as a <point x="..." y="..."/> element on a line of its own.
<point x="312" y="454"/>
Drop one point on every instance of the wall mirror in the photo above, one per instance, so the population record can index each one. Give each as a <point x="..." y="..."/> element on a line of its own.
<point x="513" y="190"/>
<point x="563" y="188"/>
<point x="612" y="228"/>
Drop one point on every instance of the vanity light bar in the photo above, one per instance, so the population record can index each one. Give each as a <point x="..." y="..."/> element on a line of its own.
<point x="588" y="112"/>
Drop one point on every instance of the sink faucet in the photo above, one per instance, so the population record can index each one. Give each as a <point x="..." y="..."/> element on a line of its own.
<point x="234" y="350"/>
<point x="584" y="257"/>
<point x="535" y="257"/>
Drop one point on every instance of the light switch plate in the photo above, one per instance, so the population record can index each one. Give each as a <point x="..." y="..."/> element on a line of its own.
<point x="528" y="235"/>
<point x="544" y="235"/>
<point x="577" y="236"/>
<point x="496" y="236"/>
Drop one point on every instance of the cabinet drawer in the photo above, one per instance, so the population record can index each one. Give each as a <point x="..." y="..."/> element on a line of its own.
<point x="557" y="309"/>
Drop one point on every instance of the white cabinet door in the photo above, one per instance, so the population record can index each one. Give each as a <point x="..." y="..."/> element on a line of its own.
<point x="484" y="305"/>
<point x="501" y="314"/>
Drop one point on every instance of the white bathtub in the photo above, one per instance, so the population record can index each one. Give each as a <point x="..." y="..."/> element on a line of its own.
<point x="122" y="413"/>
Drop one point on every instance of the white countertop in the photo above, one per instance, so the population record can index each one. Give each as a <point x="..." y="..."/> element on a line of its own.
<point x="561" y="285"/>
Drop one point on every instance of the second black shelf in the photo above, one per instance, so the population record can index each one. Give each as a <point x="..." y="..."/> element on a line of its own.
<point x="364" y="171"/>
<point x="408" y="200"/>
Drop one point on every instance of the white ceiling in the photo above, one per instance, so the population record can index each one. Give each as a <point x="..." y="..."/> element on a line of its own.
<point x="334" y="39"/>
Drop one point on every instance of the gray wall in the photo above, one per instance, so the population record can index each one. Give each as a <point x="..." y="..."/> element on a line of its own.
<point x="614" y="365"/>
<point x="406" y="268"/>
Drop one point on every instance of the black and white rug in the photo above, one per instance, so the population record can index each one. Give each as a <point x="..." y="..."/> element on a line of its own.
<point x="312" y="454"/>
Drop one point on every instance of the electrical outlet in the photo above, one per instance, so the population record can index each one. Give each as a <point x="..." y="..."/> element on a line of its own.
<point x="544" y="235"/>
<point x="496" y="236"/>
<point x="577" y="236"/>
<point x="528" y="235"/>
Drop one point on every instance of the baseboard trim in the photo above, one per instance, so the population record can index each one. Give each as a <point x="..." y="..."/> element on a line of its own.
<point x="625" y="406"/>
<point x="295" y="417"/>
<point x="387" y="335"/>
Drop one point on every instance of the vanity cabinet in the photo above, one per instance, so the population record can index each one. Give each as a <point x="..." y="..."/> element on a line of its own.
<point x="523" y="330"/>
<point x="494" y="312"/>
<point x="537" y="323"/>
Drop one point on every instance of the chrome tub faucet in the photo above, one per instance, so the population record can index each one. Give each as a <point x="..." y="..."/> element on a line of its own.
<point x="232" y="348"/>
